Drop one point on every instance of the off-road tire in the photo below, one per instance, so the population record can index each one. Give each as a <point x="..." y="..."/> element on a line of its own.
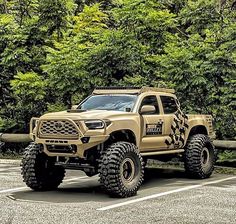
<point x="39" y="171"/>
<point x="199" y="156"/>
<point x="117" y="162"/>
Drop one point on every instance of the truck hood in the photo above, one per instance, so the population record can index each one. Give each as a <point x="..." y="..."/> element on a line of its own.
<point x="92" y="114"/>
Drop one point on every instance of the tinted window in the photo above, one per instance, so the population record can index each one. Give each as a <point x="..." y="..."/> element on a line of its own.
<point x="151" y="100"/>
<point x="169" y="104"/>
<point x="109" y="102"/>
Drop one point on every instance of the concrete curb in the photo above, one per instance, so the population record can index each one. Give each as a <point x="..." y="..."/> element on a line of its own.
<point x="10" y="161"/>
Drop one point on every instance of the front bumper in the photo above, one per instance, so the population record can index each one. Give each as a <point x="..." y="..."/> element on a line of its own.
<point x="67" y="147"/>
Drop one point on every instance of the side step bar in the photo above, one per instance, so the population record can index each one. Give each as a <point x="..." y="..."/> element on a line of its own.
<point x="154" y="153"/>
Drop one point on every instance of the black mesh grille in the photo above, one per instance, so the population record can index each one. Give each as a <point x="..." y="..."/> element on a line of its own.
<point x="57" y="129"/>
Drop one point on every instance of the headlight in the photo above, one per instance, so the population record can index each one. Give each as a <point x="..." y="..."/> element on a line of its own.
<point x="95" y="124"/>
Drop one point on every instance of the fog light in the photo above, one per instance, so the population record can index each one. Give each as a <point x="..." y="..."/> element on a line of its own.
<point x="85" y="139"/>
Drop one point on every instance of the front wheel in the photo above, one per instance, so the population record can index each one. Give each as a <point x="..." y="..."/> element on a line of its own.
<point x="39" y="171"/>
<point x="121" y="169"/>
<point x="199" y="156"/>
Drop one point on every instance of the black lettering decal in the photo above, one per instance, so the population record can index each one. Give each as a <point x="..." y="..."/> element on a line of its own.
<point x="154" y="129"/>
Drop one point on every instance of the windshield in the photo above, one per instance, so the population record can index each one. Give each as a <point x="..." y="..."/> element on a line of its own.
<point x="109" y="102"/>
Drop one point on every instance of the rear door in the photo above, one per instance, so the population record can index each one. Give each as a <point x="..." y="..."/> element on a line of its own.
<point x="175" y="122"/>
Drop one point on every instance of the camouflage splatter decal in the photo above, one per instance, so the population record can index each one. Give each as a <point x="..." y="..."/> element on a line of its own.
<point x="178" y="129"/>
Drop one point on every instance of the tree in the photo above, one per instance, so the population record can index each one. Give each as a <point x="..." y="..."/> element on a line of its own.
<point x="30" y="91"/>
<point x="68" y="59"/>
<point x="200" y="62"/>
<point x="22" y="48"/>
<point x="66" y="48"/>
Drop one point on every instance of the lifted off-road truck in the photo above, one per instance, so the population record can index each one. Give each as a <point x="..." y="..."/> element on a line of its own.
<point x="112" y="133"/>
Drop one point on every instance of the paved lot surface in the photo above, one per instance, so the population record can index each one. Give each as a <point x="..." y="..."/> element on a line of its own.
<point x="166" y="196"/>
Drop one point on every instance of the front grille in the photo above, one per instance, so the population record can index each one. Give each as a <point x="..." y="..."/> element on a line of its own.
<point x="57" y="129"/>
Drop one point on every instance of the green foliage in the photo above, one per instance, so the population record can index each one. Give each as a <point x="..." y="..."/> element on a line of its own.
<point x="227" y="155"/>
<point x="30" y="91"/>
<point x="150" y="22"/>
<point x="54" y="52"/>
<point x="54" y="16"/>
<point x="202" y="66"/>
<point x="67" y="61"/>
<point x="55" y="107"/>
<point x="29" y="87"/>
<point x="7" y="124"/>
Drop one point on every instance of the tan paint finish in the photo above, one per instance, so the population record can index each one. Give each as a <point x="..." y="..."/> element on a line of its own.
<point x="132" y="121"/>
<point x="195" y="120"/>
<point x="152" y="142"/>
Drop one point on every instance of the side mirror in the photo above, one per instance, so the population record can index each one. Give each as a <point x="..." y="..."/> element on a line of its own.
<point x="148" y="109"/>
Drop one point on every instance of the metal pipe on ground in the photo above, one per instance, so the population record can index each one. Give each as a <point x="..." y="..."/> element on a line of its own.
<point x="225" y="144"/>
<point x="15" y="138"/>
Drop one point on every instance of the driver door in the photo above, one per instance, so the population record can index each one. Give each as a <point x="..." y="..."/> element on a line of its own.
<point x="152" y="126"/>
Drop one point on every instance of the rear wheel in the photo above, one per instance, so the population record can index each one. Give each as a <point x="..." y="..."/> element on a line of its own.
<point x="121" y="169"/>
<point x="39" y="171"/>
<point x="199" y="156"/>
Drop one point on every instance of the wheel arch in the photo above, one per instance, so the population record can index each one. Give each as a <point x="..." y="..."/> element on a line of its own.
<point x="197" y="129"/>
<point x="122" y="135"/>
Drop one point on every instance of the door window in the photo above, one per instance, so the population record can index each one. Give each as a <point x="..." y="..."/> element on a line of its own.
<point x="169" y="104"/>
<point x="151" y="100"/>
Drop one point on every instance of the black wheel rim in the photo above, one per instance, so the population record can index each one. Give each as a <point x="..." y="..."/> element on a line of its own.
<point x="205" y="157"/>
<point x="127" y="170"/>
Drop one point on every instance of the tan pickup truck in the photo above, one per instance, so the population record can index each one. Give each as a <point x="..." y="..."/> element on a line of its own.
<point x="112" y="133"/>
